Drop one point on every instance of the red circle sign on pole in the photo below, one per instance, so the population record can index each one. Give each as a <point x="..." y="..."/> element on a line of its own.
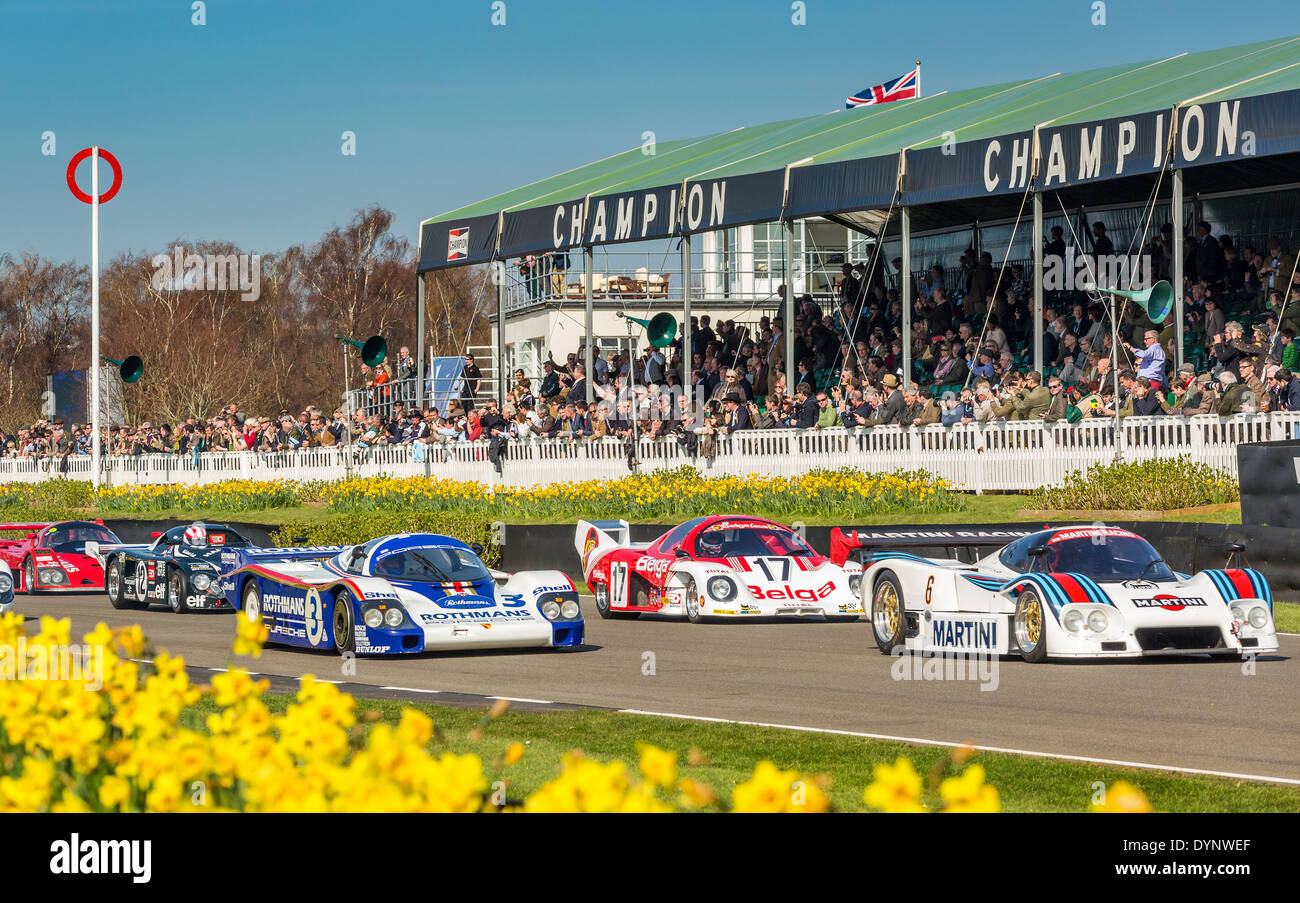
<point x="72" y="176"/>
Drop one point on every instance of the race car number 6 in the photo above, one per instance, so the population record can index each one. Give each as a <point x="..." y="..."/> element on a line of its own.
<point x="929" y="589"/>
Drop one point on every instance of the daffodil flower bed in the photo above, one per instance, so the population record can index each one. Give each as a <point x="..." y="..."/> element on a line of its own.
<point x="664" y="495"/>
<point x="229" y="495"/>
<point x="1159" y="484"/>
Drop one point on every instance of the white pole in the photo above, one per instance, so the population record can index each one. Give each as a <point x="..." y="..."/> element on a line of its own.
<point x="918" y="79"/>
<point x="95" y="450"/>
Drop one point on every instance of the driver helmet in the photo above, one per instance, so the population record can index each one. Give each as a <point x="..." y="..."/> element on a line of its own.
<point x="196" y="535"/>
<point x="709" y="544"/>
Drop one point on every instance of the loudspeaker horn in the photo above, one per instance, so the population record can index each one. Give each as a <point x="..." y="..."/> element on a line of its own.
<point x="373" y="350"/>
<point x="1157" y="301"/>
<point x="660" y="329"/>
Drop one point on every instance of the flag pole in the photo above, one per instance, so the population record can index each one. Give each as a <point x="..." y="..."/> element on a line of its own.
<point x="95" y="439"/>
<point x="918" y="79"/>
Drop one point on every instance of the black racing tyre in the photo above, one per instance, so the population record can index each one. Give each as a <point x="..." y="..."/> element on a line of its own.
<point x="176" y="586"/>
<point x="692" y="603"/>
<point x="602" y="605"/>
<point x="888" y="616"/>
<point x="29" y="575"/>
<point x="1030" y="627"/>
<point x="345" y="637"/>
<point x="113" y="586"/>
<point x="250" y="607"/>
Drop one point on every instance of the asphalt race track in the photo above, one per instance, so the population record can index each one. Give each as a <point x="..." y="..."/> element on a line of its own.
<point x="1190" y="713"/>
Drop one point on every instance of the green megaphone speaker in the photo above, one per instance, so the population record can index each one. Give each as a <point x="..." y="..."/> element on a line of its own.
<point x="659" y="329"/>
<point x="130" y="369"/>
<point x="373" y="350"/>
<point x="1157" y="301"/>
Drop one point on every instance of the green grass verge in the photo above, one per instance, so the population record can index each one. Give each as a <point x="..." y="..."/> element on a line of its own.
<point x="1286" y="615"/>
<point x="729" y="752"/>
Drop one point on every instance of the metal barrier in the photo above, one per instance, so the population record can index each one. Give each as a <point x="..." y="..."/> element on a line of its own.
<point x="975" y="457"/>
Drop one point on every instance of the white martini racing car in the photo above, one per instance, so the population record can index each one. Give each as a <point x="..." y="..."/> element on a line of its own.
<point x="1067" y="592"/>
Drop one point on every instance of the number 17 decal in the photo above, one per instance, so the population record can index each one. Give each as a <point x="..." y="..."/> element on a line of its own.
<point x="775" y="564"/>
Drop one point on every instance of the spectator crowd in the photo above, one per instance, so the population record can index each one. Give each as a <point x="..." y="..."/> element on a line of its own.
<point x="971" y="358"/>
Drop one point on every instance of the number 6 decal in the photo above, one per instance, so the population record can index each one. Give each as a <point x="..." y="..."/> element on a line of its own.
<point x="929" y="589"/>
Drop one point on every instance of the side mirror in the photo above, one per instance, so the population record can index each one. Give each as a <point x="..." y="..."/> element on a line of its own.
<point x="476" y="548"/>
<point x="299" y="539"/>
<point x="30" y="536"/>
<point x="681" y="553"/>
<point x="155" y="534"/>
<point x="1037" y="553"/>
<point x="1235" y="548"/>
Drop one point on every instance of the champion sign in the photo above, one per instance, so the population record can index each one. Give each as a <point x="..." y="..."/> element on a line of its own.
<point x="1118" y="147"/>
<point x="457" y="244"/>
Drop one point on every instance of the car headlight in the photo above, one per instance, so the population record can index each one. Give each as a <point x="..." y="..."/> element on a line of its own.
<point x="1098" y="621"/>
<point x="855" y="583"/>
<point x="1258" y="617"/>
<point x="44" y="577"/>
<point x="1239" y="613"/>
<point x="6" y="583"/>
<point x="551" y="610"/>
<point x="1073" y="620"/>
<point x="373" y="617"/>
<point x="570" y="609"/>
<point x="201" y="582"/>
<point x="722" y="589"/>
<point x="393" y="617"/>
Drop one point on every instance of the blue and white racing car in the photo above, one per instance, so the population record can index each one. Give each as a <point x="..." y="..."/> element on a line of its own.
<point x="415" y="592"/>
<point x="1068" y="592"/>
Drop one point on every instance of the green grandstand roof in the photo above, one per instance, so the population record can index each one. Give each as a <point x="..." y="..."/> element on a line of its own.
<point x="879" y="133"/>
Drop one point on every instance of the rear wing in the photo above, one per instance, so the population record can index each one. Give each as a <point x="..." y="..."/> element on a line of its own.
<point x="593" y="538"/>
<point x="847" y="540"/>
<point x="26" y="528"/>
<point x="100" y="550"/>
<point x="239" y="556"/>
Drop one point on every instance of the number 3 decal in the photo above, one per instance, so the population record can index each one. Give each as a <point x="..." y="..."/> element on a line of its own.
<point x="929" y="589"/>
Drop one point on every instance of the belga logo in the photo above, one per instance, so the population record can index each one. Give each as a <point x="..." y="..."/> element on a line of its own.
<point x="208" y="272"/>
<point x="103" y="857"/>
<point x="1075" y="271"/>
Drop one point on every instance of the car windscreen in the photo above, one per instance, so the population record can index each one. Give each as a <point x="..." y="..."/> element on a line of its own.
<point x="1111" y="557"/>
<point x="430" y="565"/>
<point x="723" y="541"/>
<point x="73" y="537"/>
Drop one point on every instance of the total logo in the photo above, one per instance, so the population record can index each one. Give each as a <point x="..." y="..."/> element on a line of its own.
<point x="780" y="593"/>
<point x="1170" y="603"/>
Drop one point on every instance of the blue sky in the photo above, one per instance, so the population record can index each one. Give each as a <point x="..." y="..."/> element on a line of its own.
<point x="232" y="130"/>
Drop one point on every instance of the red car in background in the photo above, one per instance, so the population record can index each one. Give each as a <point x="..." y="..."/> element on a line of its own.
<point x="53" y="556"/>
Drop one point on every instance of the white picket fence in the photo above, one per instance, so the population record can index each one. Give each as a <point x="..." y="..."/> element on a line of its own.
<point x="975" y="457"/>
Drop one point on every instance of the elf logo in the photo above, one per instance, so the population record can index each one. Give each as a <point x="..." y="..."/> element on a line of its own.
<point x="1170" y="603"/>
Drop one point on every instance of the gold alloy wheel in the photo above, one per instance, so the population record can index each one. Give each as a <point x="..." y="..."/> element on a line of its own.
<point x="1029" y="621"/>
<point x="885" y="610"/>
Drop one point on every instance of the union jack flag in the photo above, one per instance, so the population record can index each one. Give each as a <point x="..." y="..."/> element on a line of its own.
<point x="905" y="87"/>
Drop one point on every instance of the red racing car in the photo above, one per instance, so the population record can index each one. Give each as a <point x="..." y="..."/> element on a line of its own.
<point x="53" y="556"/>
<point x="715" y="567"/>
